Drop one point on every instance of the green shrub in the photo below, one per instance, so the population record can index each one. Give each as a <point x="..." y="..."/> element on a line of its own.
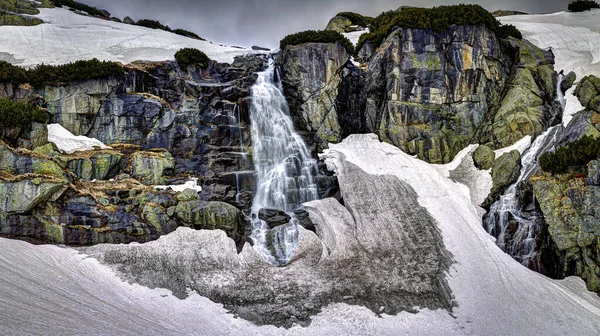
<point x="20" y="114"/>
<point x="57" y="75"/>
<point x="582" y="5"/>
<point x="77" y="71"/>
<point x="438" y="19"/>
<point x="153" y="24"/>
<point x="18" y="20"/>
<point x="314" y="36"/>
<point x="505" y="31"/>
<point x="12" y="74"/>
<point x="577" y="153"/>
<point x="188" y="33"/>
<point x="189" y="56"/>
<point x="79" y="6"/>
<point x="356" y="19"/>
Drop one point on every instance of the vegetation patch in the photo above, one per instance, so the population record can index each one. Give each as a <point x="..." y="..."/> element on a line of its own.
<point x="578" y="153"/>
<point x="357" y="19"/>
<point x="582" y="5"/>
<point x="317" y="36"/>
<point x="58" y="75"/>
<point x="189" y="56"/>
<point x="188" y="33"/>
<point x="20" y="114"/>
<point x="438" y="19"/>
<point x="18" y="20"/>
<point x="79" y="6"/>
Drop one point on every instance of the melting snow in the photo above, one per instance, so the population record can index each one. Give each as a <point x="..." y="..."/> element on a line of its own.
<point x="355" y="35"/>
<point x="68" y="143"/>
<point x="67" y="37"/>
<point x="191" y="184"/>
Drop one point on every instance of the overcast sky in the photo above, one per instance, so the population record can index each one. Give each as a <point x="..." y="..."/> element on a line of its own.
<point x="265" y="22"/>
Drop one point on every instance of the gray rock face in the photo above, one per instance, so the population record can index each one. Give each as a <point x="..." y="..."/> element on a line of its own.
<point x="428" y="94"/>
<point x="347" y="261"/>
<point x="310" y="77"/>
<point x="568" y="81"/>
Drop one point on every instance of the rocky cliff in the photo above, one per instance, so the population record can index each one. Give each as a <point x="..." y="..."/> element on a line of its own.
<point x="164" y="125"/>
<point x="428" y="93"/>
<point x="570" y="201"/>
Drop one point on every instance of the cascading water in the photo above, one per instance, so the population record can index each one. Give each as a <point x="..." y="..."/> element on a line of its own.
<point x="285" y="171"/>
<point x="508" y="210"/>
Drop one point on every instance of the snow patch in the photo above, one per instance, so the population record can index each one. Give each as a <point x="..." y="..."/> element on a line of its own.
<point x="191" y="184"/>
<point x="521" y="145"/>
<point x="67" y="37"/>
<point x="355" y="35"/>
<point x="68" y="143"/>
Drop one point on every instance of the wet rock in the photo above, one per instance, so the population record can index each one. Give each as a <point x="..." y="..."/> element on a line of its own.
<point x="274" y="217"/>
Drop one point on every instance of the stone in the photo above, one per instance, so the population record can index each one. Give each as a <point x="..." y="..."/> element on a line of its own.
<point x="568" y="81"/>
<point x="505" y="172"/>
<point x="128" y="20"/>
<point x="150" y="167"/>
<point x="339" y="24"/>
<point x="484" y="157"/>
<point x="187" y="195"/>
<point x="22" y="196"/>
<point x="587" y="89"/>
<point x="202" y="215"/>
<point x="273" y="217"/>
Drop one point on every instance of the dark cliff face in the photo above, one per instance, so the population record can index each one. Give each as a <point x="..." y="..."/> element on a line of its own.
<point x="428" y="94"/>
<point x="165" y="125"/>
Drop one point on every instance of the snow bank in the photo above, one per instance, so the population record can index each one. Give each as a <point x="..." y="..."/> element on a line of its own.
<point x="354" y="36"/>
<point x="494" y="293"/>
<point x="191" y="184"/>
<point x="69" y="143"/>
<point x="574" y="39"/>
<point x="67" y="37"/>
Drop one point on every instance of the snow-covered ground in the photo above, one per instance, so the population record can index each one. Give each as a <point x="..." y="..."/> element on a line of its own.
<point x="354" y="36"/>
<point x="68" y="143"/>
<point x="51" y="290"/>
<point x="191" y="184"/>
<point x="68" y="37"/>
<point x="575" y="41"/>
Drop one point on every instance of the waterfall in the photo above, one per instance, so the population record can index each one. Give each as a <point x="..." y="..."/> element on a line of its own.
<point x="285" y="171"/>
<point x="507" y="210"/>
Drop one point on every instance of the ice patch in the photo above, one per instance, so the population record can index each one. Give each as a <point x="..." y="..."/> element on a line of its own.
<point x="68" y="143"/>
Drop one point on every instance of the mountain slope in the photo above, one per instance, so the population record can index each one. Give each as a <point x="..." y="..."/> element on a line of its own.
<point x="67" y="37"/>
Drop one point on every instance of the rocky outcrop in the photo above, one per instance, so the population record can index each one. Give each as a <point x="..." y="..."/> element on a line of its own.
<point x="570" y="206"/>
<point x="164" y="125"/>
<point x="342" y="24"/>
<point x="346" y="261"/>
<point x="310" y="74"/>
<point x="484" y="157"/>
<point x="429" y="94"/>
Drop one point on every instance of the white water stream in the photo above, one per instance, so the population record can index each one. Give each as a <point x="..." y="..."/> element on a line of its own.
<point x="285" y="171"/>
<point x="508" y="208"/>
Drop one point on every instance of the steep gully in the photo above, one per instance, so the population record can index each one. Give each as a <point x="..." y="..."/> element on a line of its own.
<point x="508" y="210"/>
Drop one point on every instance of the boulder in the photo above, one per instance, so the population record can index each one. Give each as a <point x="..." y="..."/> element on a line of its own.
<point x="568" y="82"/>
<point x="274" y="217"/>
<point x="505" y="172"/>
<point x="128" y="20"/>
<point x="339" y="24"/>
<point x="23" y="194"/>
<point x="150" y="167"/>
<point x="201" y="215"/>
<point x="484" y="157"/>
<point x="188" y="195"/>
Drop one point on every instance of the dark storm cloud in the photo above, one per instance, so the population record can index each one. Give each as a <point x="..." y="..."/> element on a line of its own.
<point x="265" y="22"/>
